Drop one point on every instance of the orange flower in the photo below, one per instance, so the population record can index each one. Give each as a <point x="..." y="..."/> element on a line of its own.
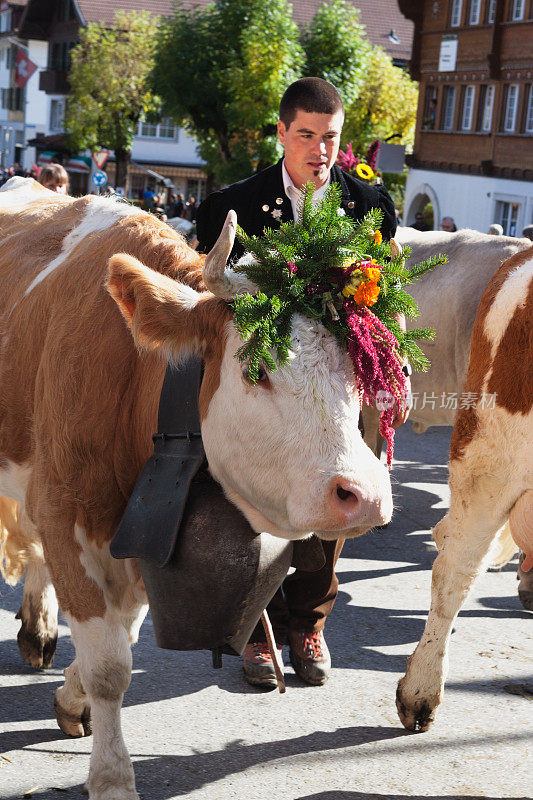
<point x="366" y="294"/>
<point x="372" y="273"/>
<point x="378" y="238"/>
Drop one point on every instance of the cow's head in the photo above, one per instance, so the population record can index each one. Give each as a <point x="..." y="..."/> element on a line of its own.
<point x="287" y="450"/>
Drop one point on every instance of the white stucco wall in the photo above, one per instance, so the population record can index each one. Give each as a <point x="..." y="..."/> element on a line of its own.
<point x="469" y="199"/>
<point x="180" y="151"/>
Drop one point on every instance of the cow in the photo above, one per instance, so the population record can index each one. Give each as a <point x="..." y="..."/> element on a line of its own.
<point x="491" y="476"/>
<point x="95" y="297"/>
<point x="448" y="299"/>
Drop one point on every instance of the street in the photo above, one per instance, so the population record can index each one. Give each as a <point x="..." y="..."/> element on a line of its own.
<point x="200" y="733"/>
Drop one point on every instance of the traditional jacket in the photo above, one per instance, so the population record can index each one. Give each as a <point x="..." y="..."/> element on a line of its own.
<point x="260" y="202"/>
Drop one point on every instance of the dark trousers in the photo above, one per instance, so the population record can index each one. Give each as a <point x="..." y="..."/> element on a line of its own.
<point x="305" y="599"/>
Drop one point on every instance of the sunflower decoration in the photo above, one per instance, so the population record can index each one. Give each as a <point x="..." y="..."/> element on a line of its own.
<point x="359" y="166"/>
<point x="331" y="268"/>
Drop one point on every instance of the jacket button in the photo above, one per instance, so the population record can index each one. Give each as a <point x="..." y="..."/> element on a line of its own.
<point x="265" y="207"/>
<point x="351" y="204"/>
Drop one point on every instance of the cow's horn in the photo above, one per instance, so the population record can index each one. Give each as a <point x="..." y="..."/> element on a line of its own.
<point x="214" y="272"/>
<point x="395" y="248"/>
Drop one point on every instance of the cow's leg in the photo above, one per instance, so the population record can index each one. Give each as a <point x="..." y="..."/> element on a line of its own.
<point x="37" y="636"/>
<point x="104" y="659"/>
<point x="525" y="587"/>
<point x="464" y="540"/>
<point x="71" y="705"/>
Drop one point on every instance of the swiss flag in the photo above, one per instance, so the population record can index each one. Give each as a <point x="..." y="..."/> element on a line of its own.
<point x="24" y="69"/>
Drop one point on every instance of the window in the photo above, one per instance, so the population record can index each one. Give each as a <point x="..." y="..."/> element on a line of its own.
<point x="510" y="108"/>
<point x="59" y="56"/>
<point x="12" y="99"/>
<point x="165" y="129"/>
<point x="5" y="21"/>
<point x="486" y="105"/>
<point x="468" y="107"/>
<point x="473" y="17"/>
<point x="507" y="216"/>
<point x="517" y="12"/>
<point x="529" y="110"/>
<point x="430" y="109"/>
<point x="491" y="14"/>
<point x="448" y="108"/>
<point x="57" y="115"/>
<point x="147" y="129"/>
<point x="456" y="13"/>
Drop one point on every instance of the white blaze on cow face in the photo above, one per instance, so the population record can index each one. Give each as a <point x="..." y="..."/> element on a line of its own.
<point x="288" y="450"/>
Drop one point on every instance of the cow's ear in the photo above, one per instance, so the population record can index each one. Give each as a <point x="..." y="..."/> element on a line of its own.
<point x="160" y="311"/>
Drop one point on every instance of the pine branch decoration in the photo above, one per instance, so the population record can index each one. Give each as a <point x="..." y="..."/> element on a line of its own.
<point x="328" y="267"/>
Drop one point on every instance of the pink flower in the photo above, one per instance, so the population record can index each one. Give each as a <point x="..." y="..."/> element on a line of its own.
<point x="347" y="160"/>
<point x="373" y="350"/>
<point x="292" y="267"/>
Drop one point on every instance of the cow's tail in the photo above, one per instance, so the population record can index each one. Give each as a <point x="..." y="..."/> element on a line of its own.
<point x="503" y="548"/>
<point x="15" y="548"/>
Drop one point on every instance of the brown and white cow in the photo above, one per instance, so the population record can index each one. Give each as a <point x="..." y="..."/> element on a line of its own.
<point x="491" y="476"/>
<point x="78" y="405"/>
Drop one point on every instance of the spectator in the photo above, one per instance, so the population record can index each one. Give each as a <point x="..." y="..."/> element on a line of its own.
<point x="528" y="232"/>
<point x="448" y="224"/>
<point x="148" y="197"/>
<point x="55" y="178"/>
<point x="189" y="212"/>
<point x="175" y="207"/>
<point x="419" y="224"/>
<point x="495" y="229"/>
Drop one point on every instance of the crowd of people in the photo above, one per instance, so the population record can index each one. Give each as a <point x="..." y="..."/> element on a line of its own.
<point x="448" y="224"/>
<point x="175" y="208"/>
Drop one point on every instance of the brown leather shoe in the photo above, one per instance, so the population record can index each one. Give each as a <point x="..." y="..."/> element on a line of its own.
<point x="310" y="656"/>
<point x="258" y="666"/>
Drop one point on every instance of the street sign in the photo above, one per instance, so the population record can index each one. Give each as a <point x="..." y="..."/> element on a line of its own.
<point x="99" y="178"/>
<point x="100" y="158"/>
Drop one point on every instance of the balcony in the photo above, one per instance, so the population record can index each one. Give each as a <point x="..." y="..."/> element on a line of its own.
<point x="53" y="81"/>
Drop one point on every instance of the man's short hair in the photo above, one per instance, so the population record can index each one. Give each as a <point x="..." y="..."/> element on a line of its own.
<point x="313" y="95"/>
<point x="528" y="232"/>
<point x="54" y="174"/>
<point x="496" y="229"/>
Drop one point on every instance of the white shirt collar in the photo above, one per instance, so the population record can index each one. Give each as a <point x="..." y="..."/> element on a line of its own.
<point x="294" y="194"/>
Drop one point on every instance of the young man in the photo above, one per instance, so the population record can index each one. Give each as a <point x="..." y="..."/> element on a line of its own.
<point x="309" y="128"/>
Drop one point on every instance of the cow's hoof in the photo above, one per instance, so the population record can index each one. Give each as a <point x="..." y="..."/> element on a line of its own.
<point x="36" y="648"/>
<point x="73" y="725"/>
<point x="526" y="598"/>
<point x="416" y="716"/>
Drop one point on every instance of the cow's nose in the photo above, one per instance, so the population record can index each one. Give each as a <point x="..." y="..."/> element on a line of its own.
<point x="352" y="503"/>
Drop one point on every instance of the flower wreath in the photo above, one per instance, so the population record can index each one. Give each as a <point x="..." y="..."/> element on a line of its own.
<point x="330" y="268"/>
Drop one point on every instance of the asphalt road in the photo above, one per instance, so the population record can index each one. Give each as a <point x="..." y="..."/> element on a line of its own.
<point x="200" y="733"/>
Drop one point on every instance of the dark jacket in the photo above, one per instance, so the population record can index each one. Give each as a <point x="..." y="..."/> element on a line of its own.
<point x="254" y="199"/>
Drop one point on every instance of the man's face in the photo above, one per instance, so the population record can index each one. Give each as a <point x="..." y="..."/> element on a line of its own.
<point x="311" y="145"/>
<point x="447" y="225"/>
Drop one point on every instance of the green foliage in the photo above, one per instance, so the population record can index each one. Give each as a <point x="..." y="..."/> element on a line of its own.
<point x="336" y="48"/>
<point x="302" y="268"/>
<point x="109" y="83"/>
<point x="386" y="105"/>
<point x="221" y="70"/>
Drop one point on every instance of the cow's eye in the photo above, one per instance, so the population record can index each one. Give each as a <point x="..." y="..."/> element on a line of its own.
<point x="261" y="375"/>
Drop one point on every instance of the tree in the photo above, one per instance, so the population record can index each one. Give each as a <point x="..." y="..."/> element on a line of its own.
<point x="221" y="71"/>
<point x="336" y="48"/>
<point x="110" y="92"/>
<point x="386" y="105"/>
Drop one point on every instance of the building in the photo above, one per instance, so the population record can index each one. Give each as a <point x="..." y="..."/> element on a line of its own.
<point x="473" y="153"/>
<point x="32" y="129"/>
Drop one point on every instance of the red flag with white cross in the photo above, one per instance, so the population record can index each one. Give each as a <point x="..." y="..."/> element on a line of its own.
<point x="24" y="69"/>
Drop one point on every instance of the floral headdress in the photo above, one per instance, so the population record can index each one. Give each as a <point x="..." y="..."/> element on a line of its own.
<point x="330" y="268"/>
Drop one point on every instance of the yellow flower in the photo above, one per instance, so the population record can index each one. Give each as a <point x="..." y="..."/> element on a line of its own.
<point x="364" y="171"/>
<point x="378" y="238"/>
